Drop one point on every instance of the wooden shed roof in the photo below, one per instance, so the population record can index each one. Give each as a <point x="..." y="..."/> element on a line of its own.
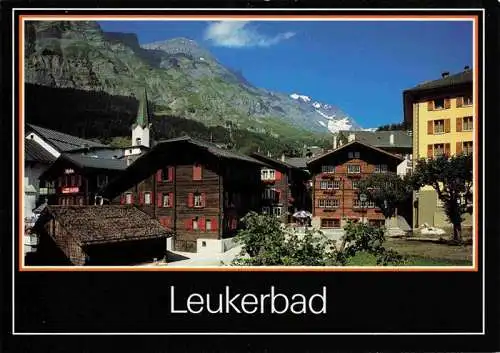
<point x="90" y="225"/>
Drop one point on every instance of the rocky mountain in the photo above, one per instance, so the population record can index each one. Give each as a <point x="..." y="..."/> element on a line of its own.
<point x="181" y="78"/>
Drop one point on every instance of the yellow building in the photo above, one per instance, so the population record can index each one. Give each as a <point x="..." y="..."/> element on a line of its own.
<point x="441" y="113"/>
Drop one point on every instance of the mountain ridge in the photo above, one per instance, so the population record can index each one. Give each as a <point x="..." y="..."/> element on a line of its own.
<point x="181" y="77"/>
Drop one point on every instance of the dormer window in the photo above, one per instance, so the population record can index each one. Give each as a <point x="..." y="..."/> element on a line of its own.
<point x="138" y="141"/>
<point x="327" y="169"/>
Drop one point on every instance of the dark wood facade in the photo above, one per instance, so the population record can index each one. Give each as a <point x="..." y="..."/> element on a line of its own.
<point x="70" y="182"/>
<point x="285" y="188"/>
<point x="335" y="175"/>
<point x="196" y="191"/>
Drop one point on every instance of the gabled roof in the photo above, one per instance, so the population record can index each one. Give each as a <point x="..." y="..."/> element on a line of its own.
<point x="464" y="77"/>
<point x="61" y="141"/>
<point x="210" y="147"/>
<point x="381" y="139"/>
<point x="313" y="160"/>
<point x="34" y="152"/>
<point x="147" y="163"/>
<point x="298" y="162"/>
<point x="95" y="163"/>
<point x="90" y="225"/>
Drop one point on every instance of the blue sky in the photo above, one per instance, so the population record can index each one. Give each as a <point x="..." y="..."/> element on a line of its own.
<point x="361" y="67"/>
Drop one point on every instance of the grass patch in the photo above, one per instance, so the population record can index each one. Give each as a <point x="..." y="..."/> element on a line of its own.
<point x="365" y="259"/>
<point x="421" y="254"/>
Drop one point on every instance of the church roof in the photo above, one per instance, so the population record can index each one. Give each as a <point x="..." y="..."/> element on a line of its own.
<point x="142" y="118"/>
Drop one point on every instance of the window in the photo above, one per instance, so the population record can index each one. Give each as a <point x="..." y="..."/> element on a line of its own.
<point x="468" y="100"/>
<point x="147" y="198"/>
<point x="352" y="155"/>
<point x="438" y="150"/>
<point x="208" y="225"/>
<point x="167" y="173"/>
<point x="381" y="168"/>
<point x="439" y="103"/>
<point x="327" y="169"/>
<point x="467" y="147"/>
<point x="376" y="222"/>
<point x="356" y="203"/>
<point x="269" y="194"/>
<point x="198" y="200"/>
<point x="195" y="223"/>
<point x="326" y="184"/>
<point x="329" y="203"/>
<point x="265" y="210"/>
<point x="370" y="204"/>
<point x="166" y="202"/>
<point x="330" y="223"/>
<point x="267" y="174"/>
<point x="196" y="172"/>
<point x="277" y="211"/>
<point x="467" y="124"/>
<point x="439" y="126"/>
<point x="128" y="198"/>
<point x="102" y="180"/>
<point x="355" y="184"/>
<point x="79" y="201"/>
<point x="353" y="169"/>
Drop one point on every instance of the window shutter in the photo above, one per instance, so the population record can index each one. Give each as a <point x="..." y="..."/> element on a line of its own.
<point x="190" y="199"/>
<point x="429" y="151"/>
<point x="447" y="103"/>
<point x="277" y="175"/>
<point x="460" y="102"/>
<point x="459" y="124"/>
<point x="141" y="197"/>
<point x="430" y="127"/>
<point x="170" y="173"/>
<point x="159" y="200"/>
<point x="204" y="199"/>
<point x="430" y="105"/>
<point x="122" y="199"/>
<point x="196" y="172"/>
<point x="132" y="198"/>
<point x="447" y="125"/>
<point x="158" y="175"/>
<point x="214" y="224"/>
<point x="171" y="199"/>
<point x="459" y="147"/>
<point x="168" y="221"/>
<point x="201" y="223"/>
<point x="152" y="198"/>
<point x="187" y="224"/>
<point x="447" y="149"/>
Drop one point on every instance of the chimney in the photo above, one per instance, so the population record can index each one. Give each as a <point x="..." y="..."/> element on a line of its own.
<point x="445" y="74"/>
<point x="283" y="157"/>
<point x="466" y="68"/>
<point x="391" y="139"/>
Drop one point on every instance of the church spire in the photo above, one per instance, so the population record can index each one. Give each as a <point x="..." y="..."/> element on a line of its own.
<point x="142" y="118"/>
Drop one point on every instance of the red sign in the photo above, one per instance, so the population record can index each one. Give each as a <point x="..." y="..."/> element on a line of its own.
<point x="70" y="190"/>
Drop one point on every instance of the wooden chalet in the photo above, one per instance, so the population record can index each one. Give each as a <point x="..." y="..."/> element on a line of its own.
<point x="335" y="178"/>
<point x="285" y="188"/>
<point x="98" y="235"/>
<point x="193" y="187"/>
<point x="74" y="178"/>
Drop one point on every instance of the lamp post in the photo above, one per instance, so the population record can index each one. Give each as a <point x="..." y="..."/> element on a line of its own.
<point x="362" y="199"/>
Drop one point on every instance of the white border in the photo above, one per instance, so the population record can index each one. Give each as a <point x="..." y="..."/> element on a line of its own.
<point x="212" y="18"/>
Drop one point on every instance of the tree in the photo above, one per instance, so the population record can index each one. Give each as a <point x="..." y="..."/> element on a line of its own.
<point x="451" y="177"/>
<point x="266" y="243"/>
<point x="387" y="191"/>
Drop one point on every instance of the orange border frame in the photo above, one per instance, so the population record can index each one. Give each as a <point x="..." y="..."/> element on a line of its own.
<point x="270" y="17"/>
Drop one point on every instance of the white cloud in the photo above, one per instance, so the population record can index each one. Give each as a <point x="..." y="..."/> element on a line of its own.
<point x="237" y="34"/>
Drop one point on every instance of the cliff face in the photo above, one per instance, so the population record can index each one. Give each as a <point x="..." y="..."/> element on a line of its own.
<point x="182" y="78"/>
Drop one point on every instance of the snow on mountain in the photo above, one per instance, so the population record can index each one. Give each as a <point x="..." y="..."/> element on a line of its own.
<point x="338" y="125"/>
<point x="316" y="105"/>
<point x="371" y="129"/>
<point x="298" y="96"/>
<point x="321" y="123"/>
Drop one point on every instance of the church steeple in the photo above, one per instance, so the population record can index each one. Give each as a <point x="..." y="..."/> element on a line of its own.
<point x="142" y="118"/>
<point x="140" y="128"/>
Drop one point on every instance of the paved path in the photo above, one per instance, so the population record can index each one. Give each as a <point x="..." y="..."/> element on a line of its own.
<point x="188" y="259"/>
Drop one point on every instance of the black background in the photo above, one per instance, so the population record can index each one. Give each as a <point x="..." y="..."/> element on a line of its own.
<point x="49" y="302"/>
